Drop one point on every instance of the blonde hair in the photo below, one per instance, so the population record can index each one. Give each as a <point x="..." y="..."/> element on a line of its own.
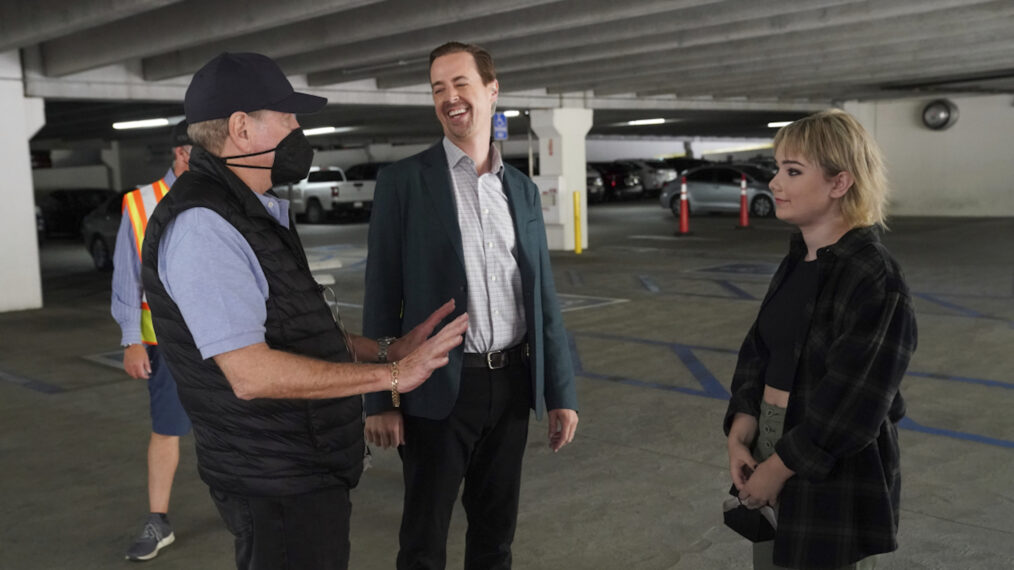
<point x="210" y="134"/>
<point x="838" y="143"/>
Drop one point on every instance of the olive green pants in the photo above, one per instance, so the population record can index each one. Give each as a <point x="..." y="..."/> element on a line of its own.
<point x="769" y="431"/>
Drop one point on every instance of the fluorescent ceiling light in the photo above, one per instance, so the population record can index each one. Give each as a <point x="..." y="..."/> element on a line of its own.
<point x="142" y="124"/>
<point x="638" y="122"/>
<point x="318" y="131"/>
<point x="779" y="124"/>
<point x="512" y="113"/>
<point x="326" y="130"/>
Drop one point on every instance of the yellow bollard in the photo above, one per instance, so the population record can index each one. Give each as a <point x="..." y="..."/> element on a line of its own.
<point x="577" y="223"/>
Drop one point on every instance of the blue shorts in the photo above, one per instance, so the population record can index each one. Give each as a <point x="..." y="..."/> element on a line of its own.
<point x="167" y="414"/>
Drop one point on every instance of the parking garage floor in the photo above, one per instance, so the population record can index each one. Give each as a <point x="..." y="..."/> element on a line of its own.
<point x="655" y="321"/>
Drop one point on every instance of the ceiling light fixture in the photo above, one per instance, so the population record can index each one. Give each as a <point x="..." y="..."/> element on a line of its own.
<point x="640" y="122"/>
<point x="326" y="130"/>
<point x="142" y="124"/>
<point x="779" y="124"/>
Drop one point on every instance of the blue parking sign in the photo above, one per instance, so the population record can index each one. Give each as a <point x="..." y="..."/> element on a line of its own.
<point x="499" y="127"/>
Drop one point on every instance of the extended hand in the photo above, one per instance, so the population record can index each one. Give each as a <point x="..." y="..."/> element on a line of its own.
<point x="415" y="368"/>
<point x="406" y="344"/>
<point x="135" y="361"/>
<point x="562" y="425"/>
<point x="386" y="429"/>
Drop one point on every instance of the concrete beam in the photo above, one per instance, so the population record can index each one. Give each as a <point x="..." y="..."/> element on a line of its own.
<point x="805" y="46"/>
<point x="770" y="27"/>
<point x="367" y="23"/>
<point x="176" y="27"/>
<point x="844" y="57"/>
<point x="28" y="23"/>
<point x="868" y="86"/>
<point x="549" y="21"/>
<point x="787" y="77"/>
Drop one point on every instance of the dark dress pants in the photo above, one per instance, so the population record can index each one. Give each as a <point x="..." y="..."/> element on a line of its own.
<point x="483" y="442"/>
<point x="296" y="532"/>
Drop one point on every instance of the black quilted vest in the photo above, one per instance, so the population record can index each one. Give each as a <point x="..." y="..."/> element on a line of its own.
<point x="264" y="447"/>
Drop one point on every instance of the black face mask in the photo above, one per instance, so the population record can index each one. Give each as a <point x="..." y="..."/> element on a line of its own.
<point x="293" y="158"/>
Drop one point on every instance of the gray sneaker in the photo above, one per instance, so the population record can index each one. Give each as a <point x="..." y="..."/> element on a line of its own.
<point x="156" y="535"/>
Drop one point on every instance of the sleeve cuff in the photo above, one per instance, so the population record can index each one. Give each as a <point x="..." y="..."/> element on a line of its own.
<point x="803" y="456"/>
<point x="377" y="402"/>
<point x="213" y="349"/>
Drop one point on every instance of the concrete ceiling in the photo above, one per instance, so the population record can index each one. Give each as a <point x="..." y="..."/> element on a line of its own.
<point x="715" y="68"/>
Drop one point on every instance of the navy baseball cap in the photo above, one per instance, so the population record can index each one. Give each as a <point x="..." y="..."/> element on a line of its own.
<point x="179" y="136"/>
<point x="243" y="82"/>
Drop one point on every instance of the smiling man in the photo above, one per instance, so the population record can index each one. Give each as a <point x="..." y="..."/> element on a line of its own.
<point x="455" y="221"/>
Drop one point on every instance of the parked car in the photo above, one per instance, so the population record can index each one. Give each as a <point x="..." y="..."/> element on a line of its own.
<point x="99" y="228"/>
<point x="654" y="174"/>
<point x="716" y="188"/>
<point x="63" y="210"/>
<point x="594" y="187"/>
<point x="682" y="163"/>
<point x="326" y="193"/>
<point x="620" y="181"/>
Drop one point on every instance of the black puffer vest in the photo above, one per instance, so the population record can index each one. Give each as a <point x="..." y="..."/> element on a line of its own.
<point x="264" y="447"/>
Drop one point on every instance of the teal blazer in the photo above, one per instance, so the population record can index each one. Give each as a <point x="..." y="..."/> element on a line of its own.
<point x="415" y="264"/>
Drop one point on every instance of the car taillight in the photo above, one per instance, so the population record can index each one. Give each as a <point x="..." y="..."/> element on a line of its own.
<point x="612" y="182"/>
<point x="334" y="191"/>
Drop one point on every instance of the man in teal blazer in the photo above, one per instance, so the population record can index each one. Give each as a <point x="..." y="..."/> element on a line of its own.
<point x="455" y="223"/>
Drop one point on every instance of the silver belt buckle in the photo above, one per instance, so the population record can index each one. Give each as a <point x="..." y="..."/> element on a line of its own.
<point x="496" y="360"/>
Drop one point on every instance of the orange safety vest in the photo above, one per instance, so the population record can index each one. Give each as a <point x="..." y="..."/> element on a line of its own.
<point x="139" y="205"/>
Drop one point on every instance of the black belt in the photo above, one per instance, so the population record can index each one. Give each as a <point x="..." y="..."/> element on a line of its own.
<point x="498" y="358"/>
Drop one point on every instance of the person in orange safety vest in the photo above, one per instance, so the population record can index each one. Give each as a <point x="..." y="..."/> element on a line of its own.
<point x="141" y="356"/>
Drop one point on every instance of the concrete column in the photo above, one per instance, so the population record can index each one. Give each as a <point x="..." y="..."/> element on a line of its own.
<point x="111" y="158"/>
<point x="20" y="282"/>
<point x="562" y="169"/>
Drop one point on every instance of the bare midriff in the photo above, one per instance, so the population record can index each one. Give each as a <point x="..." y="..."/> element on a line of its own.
<point x="776" y="397"/>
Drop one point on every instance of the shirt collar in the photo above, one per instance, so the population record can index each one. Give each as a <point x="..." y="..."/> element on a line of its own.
<point x="169" y="178"/>
<point x="455" y="155"/>
<point x="853" y="240"/>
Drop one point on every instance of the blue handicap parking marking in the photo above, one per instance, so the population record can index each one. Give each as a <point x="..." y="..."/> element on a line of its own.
<point x="761" y="269"/>
<point x="575" y="302"/>
<point x="710" y="387"/>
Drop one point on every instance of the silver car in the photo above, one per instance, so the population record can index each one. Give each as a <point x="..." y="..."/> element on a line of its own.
<point x="716" y="188"/>
<point x="654" y="173"/>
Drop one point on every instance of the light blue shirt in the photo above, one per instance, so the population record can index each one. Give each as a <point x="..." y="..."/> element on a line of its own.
<point x="127" y="289"/>
<point x="213" y="276"/>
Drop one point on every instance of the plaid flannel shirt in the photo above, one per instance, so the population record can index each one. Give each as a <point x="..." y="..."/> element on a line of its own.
<point x="840" y="435"/>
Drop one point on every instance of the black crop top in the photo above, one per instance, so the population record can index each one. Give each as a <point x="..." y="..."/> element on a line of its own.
<point x="783" y="323"/>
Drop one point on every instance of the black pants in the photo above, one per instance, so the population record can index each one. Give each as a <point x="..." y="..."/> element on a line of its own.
<point x="482" y="442"/>
<point x="295" y="532"/>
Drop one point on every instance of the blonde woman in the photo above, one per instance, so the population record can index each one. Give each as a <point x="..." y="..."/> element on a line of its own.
<point x="812" y="422"/>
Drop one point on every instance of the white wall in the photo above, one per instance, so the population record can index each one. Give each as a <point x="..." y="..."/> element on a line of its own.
<point x="967" y="170"/>
<point x="20" y="284"/>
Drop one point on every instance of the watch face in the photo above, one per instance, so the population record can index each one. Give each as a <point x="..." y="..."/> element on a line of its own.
<point x="939" y="114"/>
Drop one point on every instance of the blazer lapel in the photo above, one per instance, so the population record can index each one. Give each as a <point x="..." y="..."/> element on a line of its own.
<point x="437" y="186"/>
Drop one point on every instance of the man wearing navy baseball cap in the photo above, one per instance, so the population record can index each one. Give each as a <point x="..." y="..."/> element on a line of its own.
<point x="268" y="378"/>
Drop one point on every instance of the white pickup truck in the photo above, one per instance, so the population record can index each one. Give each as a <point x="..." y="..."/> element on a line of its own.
<point x="326" y="193"/>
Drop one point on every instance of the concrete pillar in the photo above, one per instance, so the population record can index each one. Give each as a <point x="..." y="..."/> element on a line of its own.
<point x="562" y="169"/>
<point x="20" y="282"/>
<point x="111" y="158"/>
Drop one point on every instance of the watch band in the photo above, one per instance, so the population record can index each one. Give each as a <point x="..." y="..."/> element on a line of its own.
<point x="383" y="343"/>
